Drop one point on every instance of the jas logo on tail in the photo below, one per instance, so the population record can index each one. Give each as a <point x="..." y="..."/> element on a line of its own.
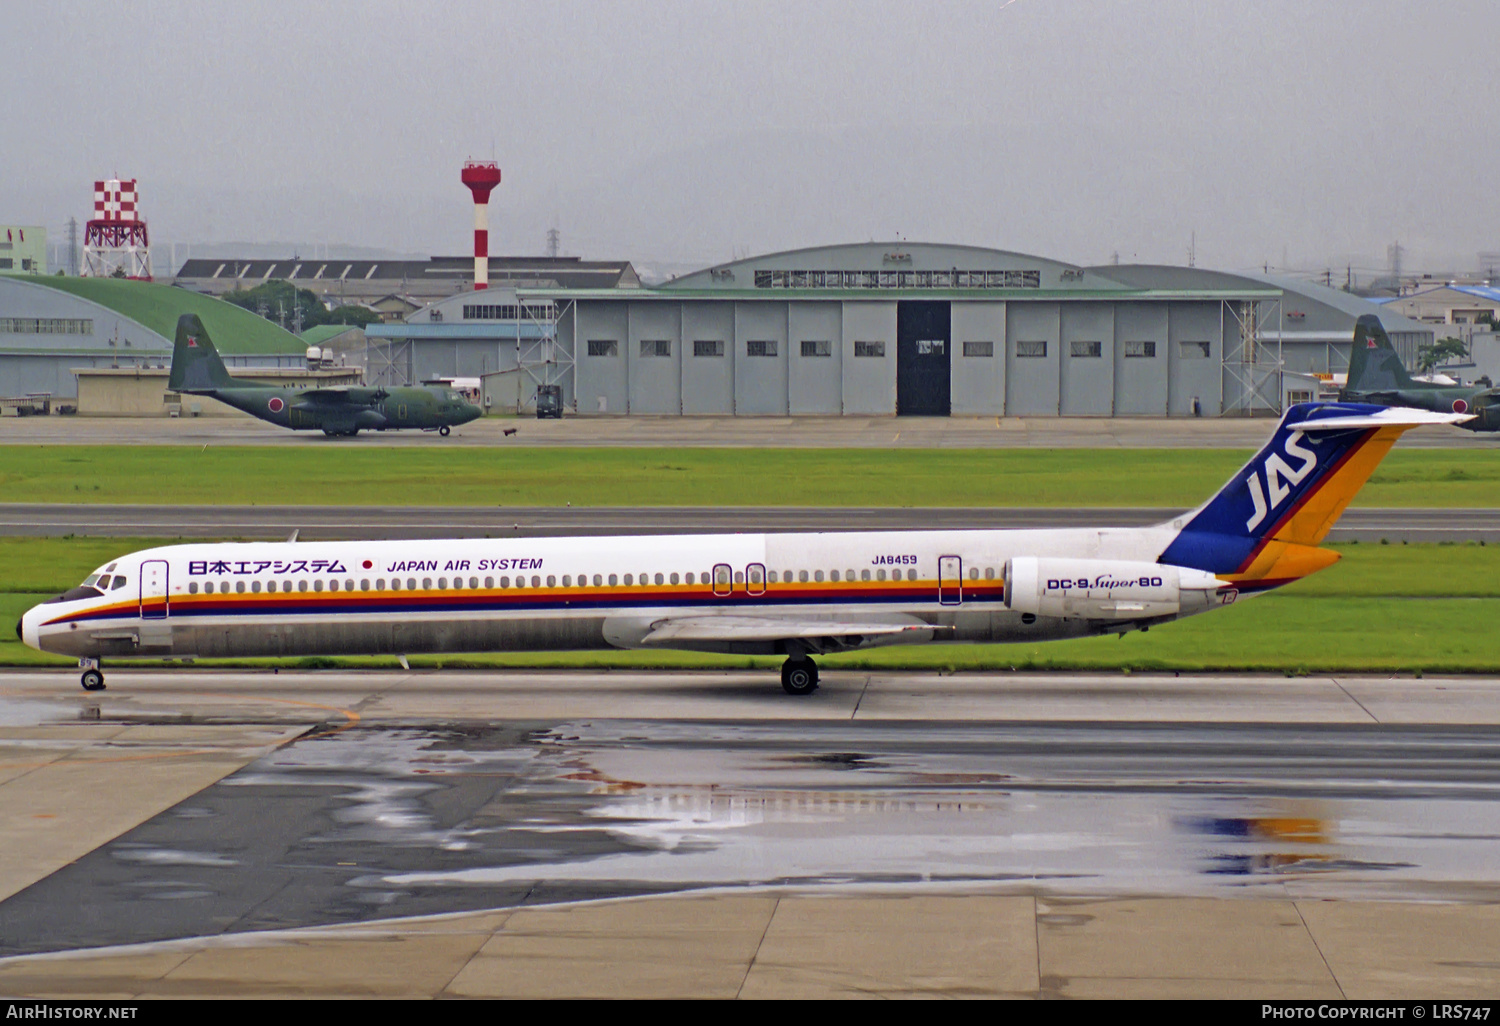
<point x="1280" y="478"/>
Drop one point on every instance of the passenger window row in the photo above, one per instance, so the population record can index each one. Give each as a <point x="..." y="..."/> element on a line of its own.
<point x="537" y="581"/>
<point x="817" y="576"/>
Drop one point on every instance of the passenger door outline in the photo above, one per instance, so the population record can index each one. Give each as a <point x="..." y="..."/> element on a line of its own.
<point x="723" y="580"/>
<point x="950" y="580"/>
<point x="154" y="588"/>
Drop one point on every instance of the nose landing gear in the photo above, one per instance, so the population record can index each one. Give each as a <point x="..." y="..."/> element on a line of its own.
<point x="444" y="430"/>
<point x="799" y="676"/>
<point x="92" y="678"/>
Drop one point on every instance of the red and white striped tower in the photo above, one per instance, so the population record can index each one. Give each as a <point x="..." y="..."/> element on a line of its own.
<point x="481" y="176"/>
<point x="116" y="239"/>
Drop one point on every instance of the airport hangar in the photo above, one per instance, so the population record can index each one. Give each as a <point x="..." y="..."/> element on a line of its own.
<point x="105" y="344"/>
<point x="895" y="328"/>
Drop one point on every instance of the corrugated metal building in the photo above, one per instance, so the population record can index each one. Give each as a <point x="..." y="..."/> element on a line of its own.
<point x="896" y="328"/>
<point x="371" y="281"/>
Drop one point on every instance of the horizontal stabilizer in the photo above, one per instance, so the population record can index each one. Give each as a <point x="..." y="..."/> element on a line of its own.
<point x="1395" y="416"/>
<point x="767" y="628"/>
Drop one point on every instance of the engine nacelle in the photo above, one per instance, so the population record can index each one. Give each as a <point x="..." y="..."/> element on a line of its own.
<point x="1107" y="589"/>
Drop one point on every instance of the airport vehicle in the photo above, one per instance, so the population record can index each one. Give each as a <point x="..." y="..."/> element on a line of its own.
<point x="335" y="409"/>
<point x="1377" y="376"/>
<point x="798" y="595"/>
<point x="549" y="402"/>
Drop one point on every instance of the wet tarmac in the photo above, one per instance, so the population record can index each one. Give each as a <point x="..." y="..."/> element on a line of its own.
<point x="371" y="822"/>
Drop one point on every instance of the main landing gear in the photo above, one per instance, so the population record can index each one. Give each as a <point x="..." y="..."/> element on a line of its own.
<point x="93" y="677"/>
<point x="444" y="430"/>
<point x="799" y="676"/>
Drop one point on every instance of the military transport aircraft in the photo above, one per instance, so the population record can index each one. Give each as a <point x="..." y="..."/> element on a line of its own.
<point x="1376" y="375"/>
<point x="336" y="409"/>
<point x="797" y="595"/>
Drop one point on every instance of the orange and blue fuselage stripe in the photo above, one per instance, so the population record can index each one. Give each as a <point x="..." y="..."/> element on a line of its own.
<point x="504" y="600"/>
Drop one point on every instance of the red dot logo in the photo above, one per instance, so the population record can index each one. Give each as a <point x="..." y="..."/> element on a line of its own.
<point x="275" y="404"/>
<point x="368" y="564"/>
<point x="1459" y="406"/>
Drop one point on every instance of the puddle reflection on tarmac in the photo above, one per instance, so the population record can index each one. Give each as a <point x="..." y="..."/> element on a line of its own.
<point x="375" y="822"/>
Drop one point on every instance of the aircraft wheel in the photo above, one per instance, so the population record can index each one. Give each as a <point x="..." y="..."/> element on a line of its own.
<point x="330" y="432"/>
<point x="444" y="430"/>
<point x="799" y="676"/>
<point x="92" y="680"/>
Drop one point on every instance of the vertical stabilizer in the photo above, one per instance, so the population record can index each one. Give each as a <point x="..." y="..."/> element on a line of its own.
<point x="1374" y="365"/>
<point x="1262" y="529"/>
<point x="196" y="366"/>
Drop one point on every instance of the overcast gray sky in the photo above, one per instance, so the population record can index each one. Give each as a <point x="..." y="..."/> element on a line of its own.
<point x="682" y="133"/>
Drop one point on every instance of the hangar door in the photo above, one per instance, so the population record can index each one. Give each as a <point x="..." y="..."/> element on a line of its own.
<point x="923" y="359"/>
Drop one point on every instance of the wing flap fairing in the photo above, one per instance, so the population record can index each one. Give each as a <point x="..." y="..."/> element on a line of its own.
<point x="767" y="628"/>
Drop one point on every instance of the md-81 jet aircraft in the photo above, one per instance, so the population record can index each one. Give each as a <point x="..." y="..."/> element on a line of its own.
<point x="797" y="595"/>
<point x="1376" y="375"/>
<point x="335" y="409"/>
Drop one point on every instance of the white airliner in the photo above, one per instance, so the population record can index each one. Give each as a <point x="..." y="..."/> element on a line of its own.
<point x="797" y="595"/>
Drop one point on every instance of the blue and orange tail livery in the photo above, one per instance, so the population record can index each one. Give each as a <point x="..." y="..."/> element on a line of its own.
<point x="1263" y="528"/>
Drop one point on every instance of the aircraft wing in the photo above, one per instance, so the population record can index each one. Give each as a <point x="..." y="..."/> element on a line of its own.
<point x="345" y="394"/>
<point x="768" y="628"/>
<point x="1392" y="416"/>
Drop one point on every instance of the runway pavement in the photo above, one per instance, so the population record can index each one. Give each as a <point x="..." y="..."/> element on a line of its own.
<point x="734" y="432"/>
<point x="336" y="522"/>
<point x="190" y="833"/>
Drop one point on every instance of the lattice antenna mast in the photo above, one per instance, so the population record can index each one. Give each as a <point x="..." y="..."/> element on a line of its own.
<point x="115" y="242"/>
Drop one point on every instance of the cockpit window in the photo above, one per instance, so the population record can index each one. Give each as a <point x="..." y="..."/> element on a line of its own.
<point x="88" y="581"/>
<point x="83" y="591"/>
<point x="119" y="580"/>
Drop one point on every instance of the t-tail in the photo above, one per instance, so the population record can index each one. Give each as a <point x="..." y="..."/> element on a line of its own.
<point x="1264" y="528"/>
<point x="1374" y="365"/>
<point x="196" y="366"/>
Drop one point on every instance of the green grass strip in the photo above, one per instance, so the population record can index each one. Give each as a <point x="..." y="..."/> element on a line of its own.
<point x="347" y="475"/>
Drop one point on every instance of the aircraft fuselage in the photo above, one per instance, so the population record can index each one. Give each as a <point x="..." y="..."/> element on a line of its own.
<point x="343" y="598"/>
<point x="387" y="409"/>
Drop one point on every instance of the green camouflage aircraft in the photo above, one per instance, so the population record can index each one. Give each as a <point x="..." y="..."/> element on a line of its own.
<point x="1376" y="375"/>
<point x="335" y="409"/>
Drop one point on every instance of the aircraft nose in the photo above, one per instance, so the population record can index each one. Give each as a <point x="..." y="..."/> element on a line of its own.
<point x="26" y="629"/>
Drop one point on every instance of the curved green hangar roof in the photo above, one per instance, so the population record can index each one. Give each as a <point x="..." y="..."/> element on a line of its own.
<point x="235" y="331"/>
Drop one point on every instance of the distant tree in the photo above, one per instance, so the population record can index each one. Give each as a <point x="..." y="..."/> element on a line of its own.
<point x="1441" y="351"/>
<point x="354" y="316"/>
<point x="119" y="272"/>
<point x="279" y="298"/>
